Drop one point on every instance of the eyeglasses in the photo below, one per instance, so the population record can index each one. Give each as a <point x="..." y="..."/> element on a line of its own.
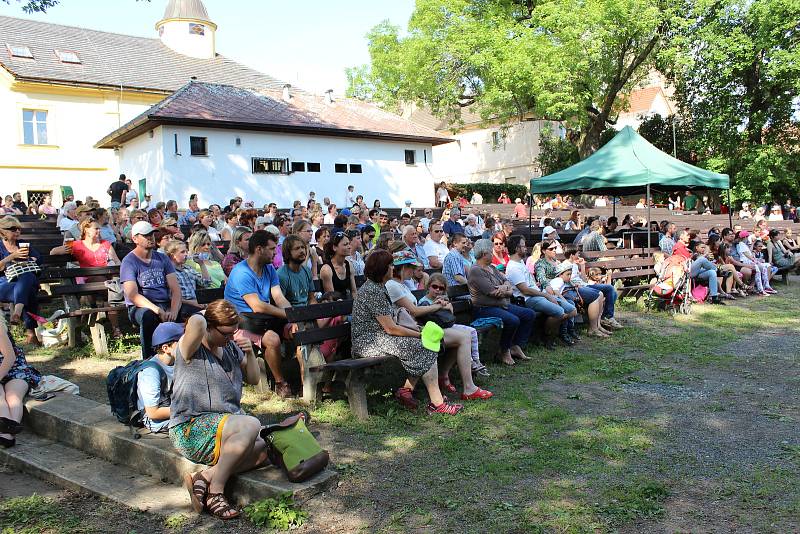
<point x="437" y="287"/>
<point x="227" y="335"/>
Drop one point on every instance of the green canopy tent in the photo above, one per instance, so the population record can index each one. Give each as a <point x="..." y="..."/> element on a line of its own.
<point x="628" y="164"/>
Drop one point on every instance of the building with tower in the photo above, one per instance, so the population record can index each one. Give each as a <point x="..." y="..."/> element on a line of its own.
<point x="64" y="88"/>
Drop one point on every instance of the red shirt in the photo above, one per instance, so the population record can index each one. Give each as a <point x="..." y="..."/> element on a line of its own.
<point x="87" y="258"/>
<point x="681" y="250"/>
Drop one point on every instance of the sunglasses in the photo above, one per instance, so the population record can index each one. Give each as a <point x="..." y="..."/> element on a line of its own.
<point x="227" y="335"/>
<point x="13" y="229"/>
<point x="438" y="287"/>
<point x="436" y="231"/>
<point x="498" y="242"/>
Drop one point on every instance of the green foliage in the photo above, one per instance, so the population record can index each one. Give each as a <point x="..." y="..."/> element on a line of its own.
<point x="556" y="154"/>
<point x="41" y="6"/>
<point x="634" y="500"/>
<point x="36" y="514"/>
<point x="280" y="513"/>
<point x="358" y="84"/>
<point x="736" y="68"/>
<point x="563" y="60"/>
<point x="489" y="192"/>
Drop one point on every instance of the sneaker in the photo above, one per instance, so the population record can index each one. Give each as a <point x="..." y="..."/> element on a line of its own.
<point x="445" y="408"/>
<point x="567" y="340"/>
<point x="574" y="335"/>
<point x="480" y="370"/>
<point x="406" y="399"/>
<point x="771" y="291"/>
<point x="718" y="301"/>
<point x="611" y="322"/>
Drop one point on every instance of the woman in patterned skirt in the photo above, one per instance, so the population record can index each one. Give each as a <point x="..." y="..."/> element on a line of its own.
<point x="375" y="332"/>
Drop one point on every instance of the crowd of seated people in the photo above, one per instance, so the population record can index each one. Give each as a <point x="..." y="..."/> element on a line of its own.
<point x="265" y="263"/>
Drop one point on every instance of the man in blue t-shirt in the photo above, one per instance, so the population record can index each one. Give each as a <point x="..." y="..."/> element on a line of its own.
<point x="152" y="400"/>
<point x="254" y="286"/>
<point x="151" y="288"/>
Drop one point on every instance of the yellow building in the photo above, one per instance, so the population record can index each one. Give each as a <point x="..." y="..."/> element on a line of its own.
<point x="62" y="88"/>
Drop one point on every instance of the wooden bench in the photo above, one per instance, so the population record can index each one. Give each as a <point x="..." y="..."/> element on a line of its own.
<point x="629" y="265"/>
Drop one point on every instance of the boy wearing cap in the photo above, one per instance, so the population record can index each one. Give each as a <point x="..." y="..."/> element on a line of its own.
<point x="148" y="278"/>
<point x="153" y="401"/>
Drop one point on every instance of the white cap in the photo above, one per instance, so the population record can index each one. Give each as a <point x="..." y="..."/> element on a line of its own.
<point x="142" y="228"/>
<point x="261" y="220"/>
<point x="548" y="230"/>
<point x="518" y="200"/>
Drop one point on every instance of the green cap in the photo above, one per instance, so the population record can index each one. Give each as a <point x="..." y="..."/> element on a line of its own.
<point x="432" y="335"/>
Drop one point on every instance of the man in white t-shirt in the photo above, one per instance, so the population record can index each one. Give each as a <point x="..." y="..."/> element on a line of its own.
<point x="153" y="401"/>
<point x="435" y="250"/>
<point x="557" y="309"/>
<point x="350" y="196"/>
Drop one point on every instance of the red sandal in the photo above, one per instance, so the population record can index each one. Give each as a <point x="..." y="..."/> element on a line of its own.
<point x="445" y="385"/>
<point x="406" y="398"/>
<point x="478" y="394"/>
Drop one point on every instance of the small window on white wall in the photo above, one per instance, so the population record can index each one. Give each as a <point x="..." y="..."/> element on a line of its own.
<point x="411" y="157"/>
<point x="34" y="126"/>
<point x="198" y="146"/>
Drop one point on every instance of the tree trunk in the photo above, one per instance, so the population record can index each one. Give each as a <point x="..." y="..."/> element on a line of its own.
<point x="590" y="141"/>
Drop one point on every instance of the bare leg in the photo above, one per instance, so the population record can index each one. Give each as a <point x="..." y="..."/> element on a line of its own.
<point x="431" y="381"/>
<point x="271" y="344"/>
<point x="239" y="437"/>
<point x="11" y="396"/>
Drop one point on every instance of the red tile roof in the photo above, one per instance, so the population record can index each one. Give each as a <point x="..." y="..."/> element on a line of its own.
<point x="641" y="100"/>
<point x="225" y="106"/>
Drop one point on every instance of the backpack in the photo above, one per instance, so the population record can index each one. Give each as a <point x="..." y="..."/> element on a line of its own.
<point x="123" y="395"/>
<point x="291" y="446"/>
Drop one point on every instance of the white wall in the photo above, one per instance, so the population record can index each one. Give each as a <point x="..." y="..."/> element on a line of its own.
<point x="227" y="170"/>
<point x="474" y="156"/>
<point x="176" y="35"/>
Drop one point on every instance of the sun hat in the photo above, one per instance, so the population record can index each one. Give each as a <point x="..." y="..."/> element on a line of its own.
<point x="83" y="209"/>
<point x="261" y="220"/>
<point x="432" y="335"/>
<point x="405" y="257"/>
<point x="563" y="267"/>
<point x="167" y="333"/>
<point x="142" y="228"/>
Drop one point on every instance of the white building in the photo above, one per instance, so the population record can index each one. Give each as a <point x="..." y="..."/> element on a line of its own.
<point x="645" y="102"/>
<point x="485" y="153"/>
<point x="274" y="146"/>
<point x="62" y="88"/>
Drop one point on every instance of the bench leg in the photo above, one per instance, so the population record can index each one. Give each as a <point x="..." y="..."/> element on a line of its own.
<point x="99" y="337"/>
<point x="357" y="394"/>
<point x="311" y="358"/>
<point x="263" y="383"/>
<point x="71" y="303"/>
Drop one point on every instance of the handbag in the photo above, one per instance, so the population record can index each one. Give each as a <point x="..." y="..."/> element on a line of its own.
<point x="19" y="268"/>
<point x="294" y="448"/>
<point x="405" y="319"/>
<point x="444" y="318"/>
<point x="115" y="292"/>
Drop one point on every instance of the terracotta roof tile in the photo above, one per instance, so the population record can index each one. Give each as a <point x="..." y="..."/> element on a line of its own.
<point x="225" y="106"/>
<point x="112" y="59"/>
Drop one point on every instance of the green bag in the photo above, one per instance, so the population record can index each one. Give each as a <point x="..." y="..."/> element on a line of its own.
<point x="292" y="446"/>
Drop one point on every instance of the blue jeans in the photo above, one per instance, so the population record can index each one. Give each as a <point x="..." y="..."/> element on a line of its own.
<point x="705" y="271"/>
<point x="22" y="291"/>
<point x="610" y="293"/>
<point x="544" y="306"/>
<point x="147" y="321"/>
<point x="517" y="323"/>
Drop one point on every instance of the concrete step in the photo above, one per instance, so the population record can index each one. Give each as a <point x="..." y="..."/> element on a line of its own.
<point x="78" y="471"/>
<point x="88" y="426"/>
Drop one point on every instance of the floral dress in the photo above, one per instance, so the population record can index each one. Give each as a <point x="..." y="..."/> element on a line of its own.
<point x="371" y="340"/>
<point x="21" y="370"/>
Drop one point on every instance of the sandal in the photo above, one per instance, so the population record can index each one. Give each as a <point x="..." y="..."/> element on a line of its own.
<point x="218" y="506"/>
<point x="197" y="486"/>
<point x="478" y="394"/>
<point x="445" y="385"/>
<point x="406" y="399"/>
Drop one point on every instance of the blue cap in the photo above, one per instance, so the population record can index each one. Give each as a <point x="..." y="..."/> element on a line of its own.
<point x="166" y="333"/>
<point x="346" y="212"/>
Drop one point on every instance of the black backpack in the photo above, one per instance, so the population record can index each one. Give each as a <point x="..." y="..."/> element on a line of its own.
<point x="123" y="395"/>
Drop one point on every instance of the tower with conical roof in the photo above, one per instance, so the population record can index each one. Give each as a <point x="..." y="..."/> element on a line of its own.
<point x="187" y="29"/>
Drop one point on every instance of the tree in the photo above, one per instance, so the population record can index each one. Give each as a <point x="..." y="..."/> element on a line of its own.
<point x="736" y="68"/>
<point x="658" y="131"/>
<point x="41" y="6"/>
<point x="560" y="60"/>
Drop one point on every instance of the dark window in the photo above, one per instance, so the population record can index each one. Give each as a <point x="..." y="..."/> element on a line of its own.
<point x="355" y="167"/>
<point x="312" y="167"/>
<point x="199" y="146"/>
<point x="340" y="167"/>
<point x="270" y="166"/>
<point x="298" y="166"/>
<point x="411" y="157"/>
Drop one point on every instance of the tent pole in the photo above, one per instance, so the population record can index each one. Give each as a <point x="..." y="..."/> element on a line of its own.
<point x="648" y="215"/>
<point x="613" y="207"/>
<point x="730" y="211"/>
<point x="530" y="216"/>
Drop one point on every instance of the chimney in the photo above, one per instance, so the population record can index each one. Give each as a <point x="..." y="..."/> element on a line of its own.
<point x="329" y="96"/>
<point x="287" y="96"/>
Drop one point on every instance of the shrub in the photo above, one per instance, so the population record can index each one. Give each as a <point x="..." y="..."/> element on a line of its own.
<point x="280" y="513"/>
<point x="489" y="192"/>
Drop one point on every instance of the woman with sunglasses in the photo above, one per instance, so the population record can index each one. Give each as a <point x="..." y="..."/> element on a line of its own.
<point x="336" y="273"/>
<point x="437" y="292"/>
<point x="499" y="251"/>
<point x="207" y="424"/>
<point x="92" y="251"/>
<point x="457" y="340"/>
<point x="201" y="250"/>
<point x="22" y="288"/>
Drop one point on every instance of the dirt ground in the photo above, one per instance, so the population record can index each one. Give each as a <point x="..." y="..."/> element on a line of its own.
<point x="723" y="429"/>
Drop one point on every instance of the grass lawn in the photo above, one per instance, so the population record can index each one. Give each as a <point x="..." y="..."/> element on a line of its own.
<point x="674" y="424"/>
